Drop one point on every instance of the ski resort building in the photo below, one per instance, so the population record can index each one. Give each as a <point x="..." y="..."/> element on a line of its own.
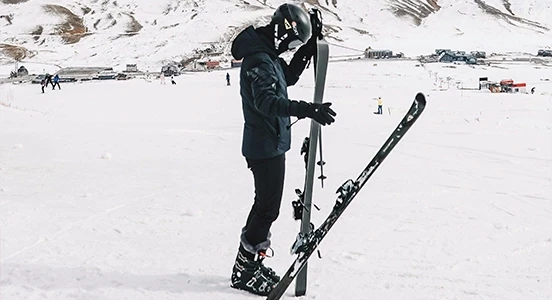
<point x="379" y="54"/>
<point x="456" y="56"/>
<point x="504" y="86"/>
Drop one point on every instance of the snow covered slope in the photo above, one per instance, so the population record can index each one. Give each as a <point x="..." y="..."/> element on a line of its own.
<point x="131" y="191"/>
<point x="92" y="32"/>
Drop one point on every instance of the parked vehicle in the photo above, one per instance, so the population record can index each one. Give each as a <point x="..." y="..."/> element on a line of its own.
<point x="545" y="53"/>
<point x="38" y="79"/>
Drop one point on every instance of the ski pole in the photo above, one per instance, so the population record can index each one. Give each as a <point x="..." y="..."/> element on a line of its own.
<point x="321" y="163"/>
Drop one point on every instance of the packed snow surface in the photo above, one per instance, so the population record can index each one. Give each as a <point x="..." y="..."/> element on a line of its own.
<point x="136" y="190"/>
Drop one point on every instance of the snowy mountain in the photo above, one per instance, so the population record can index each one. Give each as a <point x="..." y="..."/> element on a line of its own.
<point x="94" y="32"/>
<point x="137" y="190"/>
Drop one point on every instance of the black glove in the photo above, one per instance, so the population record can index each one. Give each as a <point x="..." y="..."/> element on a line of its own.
<point x="316" y="23"/>
<point x="321" y="113"/>
<point x="305" y="52"/>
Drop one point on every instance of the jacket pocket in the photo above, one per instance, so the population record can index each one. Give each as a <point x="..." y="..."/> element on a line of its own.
<point x="272" y="128"/>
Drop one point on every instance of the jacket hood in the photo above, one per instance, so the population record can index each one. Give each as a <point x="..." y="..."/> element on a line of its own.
<point x="248" y="42"/>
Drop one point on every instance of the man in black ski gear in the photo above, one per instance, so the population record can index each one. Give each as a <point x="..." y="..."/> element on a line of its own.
<point x="48" y="78"/>
<point x="264" y="78"/>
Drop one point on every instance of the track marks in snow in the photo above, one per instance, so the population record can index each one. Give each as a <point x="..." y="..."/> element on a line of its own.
<point x="95" y="281"/>
<point x="31" y="112"/>
<point x="492" y="154"/>
<point x="55" y="235"/>
<point x="353" y="256"/>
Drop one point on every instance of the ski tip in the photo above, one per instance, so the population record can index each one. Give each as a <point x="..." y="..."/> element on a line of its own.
<point x="420" y="97"/>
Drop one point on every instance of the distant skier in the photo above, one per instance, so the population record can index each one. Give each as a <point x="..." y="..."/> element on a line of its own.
<point x="532" y="90"/>
<point x="48" y="78"/>
<point x="43" y="84"/>
<point x="56" y="82"/>
<point x="172" y="80"/>
<point x="264" y="78"/>
<point x="227" y="79"/>
<point x="380" y="106"/>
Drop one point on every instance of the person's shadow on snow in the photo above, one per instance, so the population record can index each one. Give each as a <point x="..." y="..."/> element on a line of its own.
<point x="90" y="278"/>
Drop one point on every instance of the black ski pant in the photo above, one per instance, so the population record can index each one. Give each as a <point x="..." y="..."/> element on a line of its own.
<point x="268" y="175"/>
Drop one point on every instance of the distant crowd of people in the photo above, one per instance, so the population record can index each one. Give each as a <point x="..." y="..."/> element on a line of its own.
<point x="54" y="80"/>
<point x="49" y="79"/>
<point x="162" y="79"/>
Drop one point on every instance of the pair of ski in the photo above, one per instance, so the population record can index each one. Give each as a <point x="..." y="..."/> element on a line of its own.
<point x="308" y="239"/>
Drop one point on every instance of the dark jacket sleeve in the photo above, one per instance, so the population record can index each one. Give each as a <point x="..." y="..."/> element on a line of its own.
<point x="263" y="86"/>
<point x="299" y="61"/>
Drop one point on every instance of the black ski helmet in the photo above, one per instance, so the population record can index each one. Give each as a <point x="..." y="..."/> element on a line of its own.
<point x="292" y="27"/>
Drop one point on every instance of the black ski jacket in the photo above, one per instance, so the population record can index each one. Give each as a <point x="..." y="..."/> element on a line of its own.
<point x="264" y="78"/>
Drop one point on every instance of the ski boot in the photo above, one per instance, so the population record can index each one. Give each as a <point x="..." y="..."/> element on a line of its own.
<point x="249" y="274"/>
